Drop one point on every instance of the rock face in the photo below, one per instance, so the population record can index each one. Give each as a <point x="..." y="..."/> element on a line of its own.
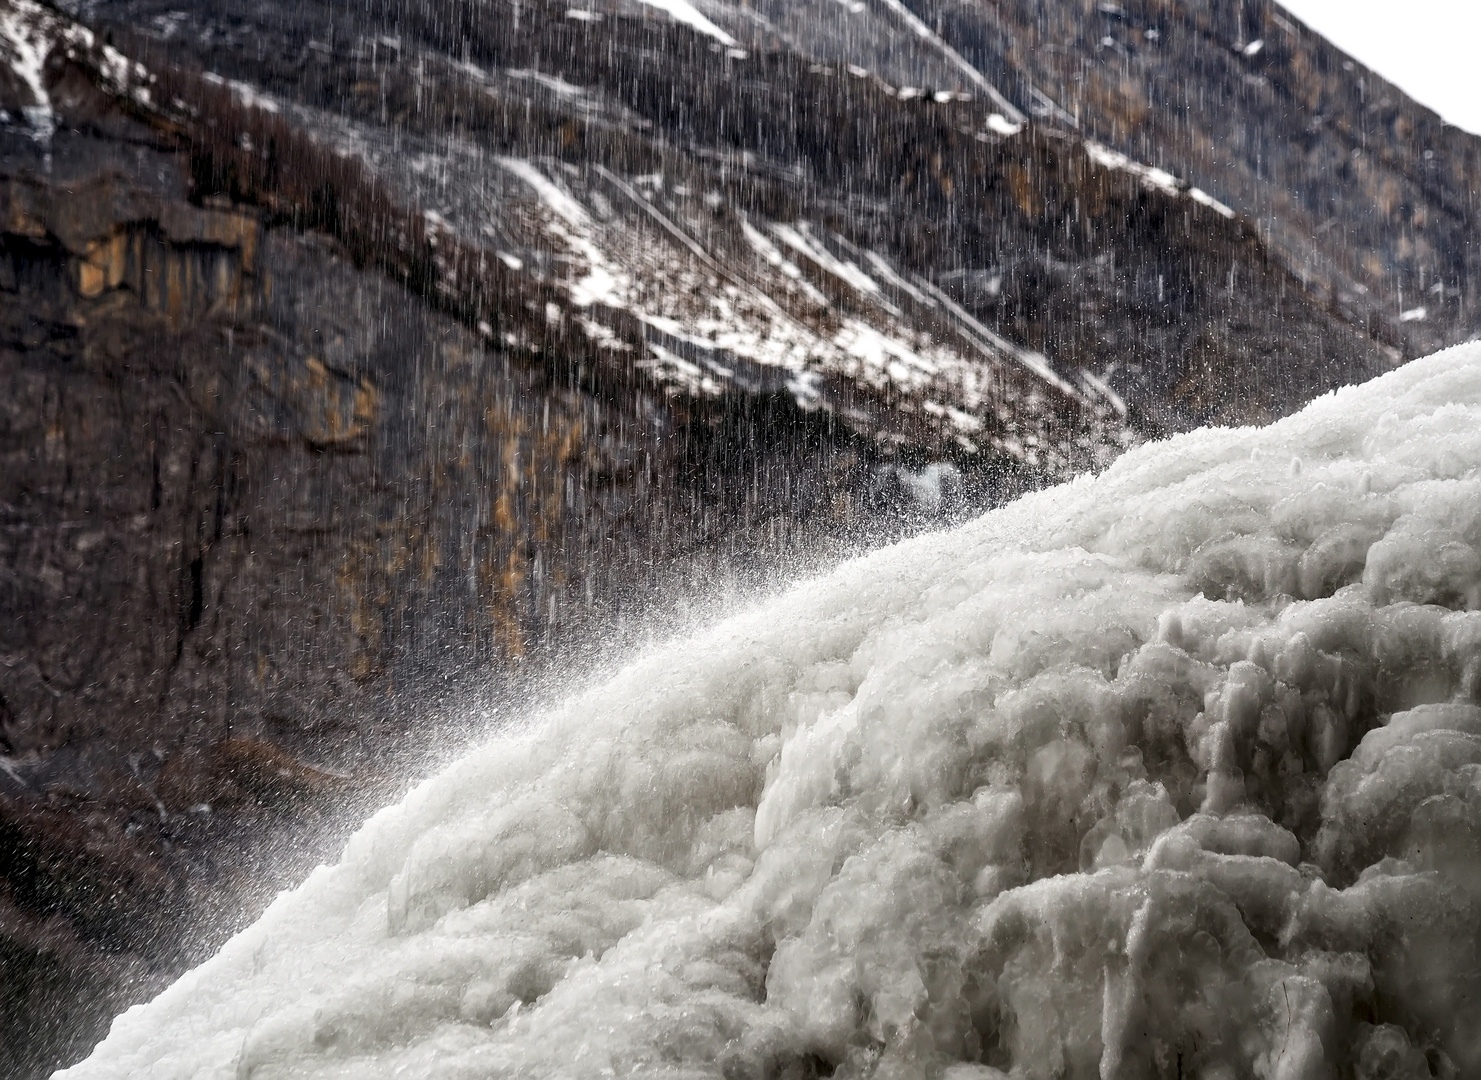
<point x="347" y="357"/>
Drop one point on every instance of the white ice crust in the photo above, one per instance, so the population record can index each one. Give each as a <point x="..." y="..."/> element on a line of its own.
<point x="1173" y="771"/>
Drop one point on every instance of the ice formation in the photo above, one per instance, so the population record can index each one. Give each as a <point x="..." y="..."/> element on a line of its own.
<point x="1170" y="772"/>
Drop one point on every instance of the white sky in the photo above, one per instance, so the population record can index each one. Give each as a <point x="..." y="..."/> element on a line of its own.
<point x="1431" y="49"/>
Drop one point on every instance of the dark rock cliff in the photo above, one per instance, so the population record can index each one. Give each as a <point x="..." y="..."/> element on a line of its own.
<point x="356" y="359"/>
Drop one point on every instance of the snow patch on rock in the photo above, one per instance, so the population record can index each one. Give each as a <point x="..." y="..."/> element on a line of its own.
<point x="682" y="11"/>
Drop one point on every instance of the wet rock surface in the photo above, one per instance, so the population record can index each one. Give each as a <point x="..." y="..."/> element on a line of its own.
<point x="349" y="360"/>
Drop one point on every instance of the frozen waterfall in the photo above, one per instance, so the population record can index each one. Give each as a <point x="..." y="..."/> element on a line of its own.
<point x="1170" y="772"/>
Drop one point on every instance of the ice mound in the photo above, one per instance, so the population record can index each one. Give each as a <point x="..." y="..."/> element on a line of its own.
<point x="1171" y="772"/>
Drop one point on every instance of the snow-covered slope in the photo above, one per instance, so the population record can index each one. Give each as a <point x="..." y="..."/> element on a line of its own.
<point x="827" y="201"/>
<point x="1169" y="771"/>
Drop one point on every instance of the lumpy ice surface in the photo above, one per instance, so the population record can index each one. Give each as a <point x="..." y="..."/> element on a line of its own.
<point x="1170" y="772"/>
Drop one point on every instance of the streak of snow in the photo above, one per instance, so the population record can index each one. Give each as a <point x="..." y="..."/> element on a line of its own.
<point x="1418" y="314"/>
<point x="1202" y="197"/>
<point x="245" y="93"/>
<point x="773" y="255"/>
<point x="659" y="216"/>
<point x="567" y="208"/>
<point x="800" y="239"/>
<point x="964" y="421"/>
<point x="1103" y="388"/>
<point x="675" y="329"/>
<point x="886" y="271"/>
<point x="925" y="33"/>
<point x="676" y="369"/>
<point x="550" y="82"/>
<point x="604" y="283"/>
<point x="1153" y="177"/>
<point x="682" y="11"/>
<point x="1150" y="175"/>
<point x="996" y="347"/>
<point x="999" y="124"/>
